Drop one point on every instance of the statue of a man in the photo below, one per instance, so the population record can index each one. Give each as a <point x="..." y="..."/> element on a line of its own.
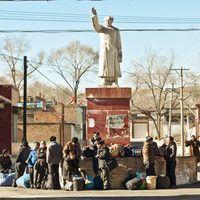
<point x="110" y="50"/>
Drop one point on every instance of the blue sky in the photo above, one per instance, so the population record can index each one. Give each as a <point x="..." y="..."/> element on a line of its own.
<point x="186" y="45"/>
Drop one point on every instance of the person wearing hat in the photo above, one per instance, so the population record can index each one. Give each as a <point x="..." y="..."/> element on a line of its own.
<point x="148" y="156"/>
<point x="20" y="163"/>
<point x="5" y="162"/>
<point x="103" y="156"/>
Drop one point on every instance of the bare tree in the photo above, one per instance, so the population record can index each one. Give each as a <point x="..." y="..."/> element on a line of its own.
<point x="12" y="52"/>
<point x="73" y="62"/>
<point x="151" y="77"/>
<point x="49" y="92"/>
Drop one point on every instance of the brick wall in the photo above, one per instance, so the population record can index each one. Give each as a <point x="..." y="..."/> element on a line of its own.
<point x="186" y="171"/>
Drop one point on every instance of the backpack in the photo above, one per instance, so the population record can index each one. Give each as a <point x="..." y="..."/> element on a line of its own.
<point x="98" y="183"/>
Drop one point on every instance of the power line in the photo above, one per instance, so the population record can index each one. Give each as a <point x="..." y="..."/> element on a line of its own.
<point x="71" y="17"/>
<point x="91" y="31"/>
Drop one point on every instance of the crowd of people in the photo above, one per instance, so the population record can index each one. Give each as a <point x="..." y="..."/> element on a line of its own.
<point x="42" y="162"/>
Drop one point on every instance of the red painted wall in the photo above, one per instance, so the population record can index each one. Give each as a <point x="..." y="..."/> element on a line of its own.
<point x="6" y="118"/>
<point x="102" y="102"/>
<point x="5" y="127"/>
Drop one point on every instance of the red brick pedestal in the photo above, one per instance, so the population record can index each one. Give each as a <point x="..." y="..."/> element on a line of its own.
<point x="108" y="114"/>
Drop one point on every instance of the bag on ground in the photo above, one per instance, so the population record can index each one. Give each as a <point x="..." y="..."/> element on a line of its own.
<point x="97" y="182"/>
<point x="162" y="182"/>
<point x="6" y="179"/>
<point x="23" y="181"/>
<point x="134" y="184"/>
<point x="90" y="185"/>
<point x="128" y="178"/>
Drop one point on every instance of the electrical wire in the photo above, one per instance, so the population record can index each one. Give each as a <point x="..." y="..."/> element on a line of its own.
<point x="70" y="17"/>
<point x="91" y="31"/>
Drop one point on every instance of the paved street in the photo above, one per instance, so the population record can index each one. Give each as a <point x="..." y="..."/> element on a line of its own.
<point x="190" y="193"/>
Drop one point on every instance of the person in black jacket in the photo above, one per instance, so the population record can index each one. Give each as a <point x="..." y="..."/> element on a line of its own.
<point x="93" y="147"/>
<point x="170" y="157"/>
<point x="5" y="162"/>
<point x="21" y="158"/>
<point x="103" y="156"/>
<point x="41" y="167"/>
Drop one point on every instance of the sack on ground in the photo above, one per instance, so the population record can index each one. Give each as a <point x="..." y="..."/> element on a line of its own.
<point x="162" y="182"/>
<point x="134" y="184"/>
<point x="97" y="182"/>
<point x="112" y="163"/>
<point x="6" y="179"/>
<point x="128" y="178"/>
<point x="23" y="181"/>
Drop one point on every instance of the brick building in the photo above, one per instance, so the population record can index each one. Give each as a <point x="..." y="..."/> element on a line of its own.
<point x="62" y="121"/>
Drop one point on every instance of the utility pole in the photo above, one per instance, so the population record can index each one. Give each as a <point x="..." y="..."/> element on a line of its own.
<point x="25" y="99"/>
<point x="170" y="110"/>
<point x="181" y="108"/>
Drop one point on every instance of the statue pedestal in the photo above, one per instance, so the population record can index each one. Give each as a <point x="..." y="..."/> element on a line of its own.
<point x="108" y="113"/>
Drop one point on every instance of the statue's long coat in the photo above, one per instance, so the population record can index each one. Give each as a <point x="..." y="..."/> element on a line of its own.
<point x="110" y="50"/>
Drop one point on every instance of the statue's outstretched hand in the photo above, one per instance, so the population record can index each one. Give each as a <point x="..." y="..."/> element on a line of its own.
<point x="94" y="12"/>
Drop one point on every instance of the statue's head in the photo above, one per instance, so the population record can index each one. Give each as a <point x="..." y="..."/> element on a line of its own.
<point x="108" y="20"/>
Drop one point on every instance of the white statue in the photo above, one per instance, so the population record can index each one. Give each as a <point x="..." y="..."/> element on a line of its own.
<point x="110" y="50"/>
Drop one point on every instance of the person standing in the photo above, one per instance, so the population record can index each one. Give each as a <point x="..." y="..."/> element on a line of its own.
<point x="54" y="156"/>
<point x="103" y="156"/>
<point x="31" y="161"/>
<point x="194" y="145"/>
<point x="93" y="146"/>
<point x="5" y="162"/>
<point x="41" y="167"/>
<point x="71" y="156"/>
<point x="148" y="156"/>
<point x="20" y="164"/>
<point x="170" y="157"/>
<point x="110" y="55"/>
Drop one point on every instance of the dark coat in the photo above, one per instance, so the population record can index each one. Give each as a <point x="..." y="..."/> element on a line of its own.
<point x="103" y="156"/>
<point x="170" y="152"/>
<point x="194" y="148"/>
<point x="5" y="164"/>
<point x="23" y="154"/>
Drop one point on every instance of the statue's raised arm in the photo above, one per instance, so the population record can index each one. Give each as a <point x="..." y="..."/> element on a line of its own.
<point x="94" y="12"/>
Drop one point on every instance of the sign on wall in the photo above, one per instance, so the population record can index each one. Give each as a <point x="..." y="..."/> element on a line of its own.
<point x="115" y="121"/>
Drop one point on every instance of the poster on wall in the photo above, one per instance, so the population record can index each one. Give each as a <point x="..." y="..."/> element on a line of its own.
<point x="115" y="121"/>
